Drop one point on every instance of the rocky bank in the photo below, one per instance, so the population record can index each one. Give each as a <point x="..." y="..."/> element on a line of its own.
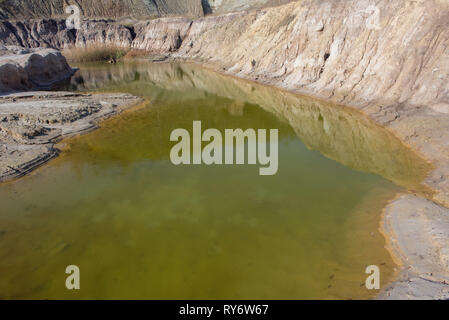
<point x="32" y="122"/>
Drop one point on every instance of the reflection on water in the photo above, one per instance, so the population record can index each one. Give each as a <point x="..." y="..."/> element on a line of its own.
<point x="139" y="227"/>
<point x="338" y="133"/>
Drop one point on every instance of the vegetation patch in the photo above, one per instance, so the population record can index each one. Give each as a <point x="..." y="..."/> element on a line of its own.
<point x="110" y="54"/>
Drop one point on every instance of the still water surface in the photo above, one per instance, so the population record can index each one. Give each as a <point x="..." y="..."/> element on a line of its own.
<point x="140" y="227"/>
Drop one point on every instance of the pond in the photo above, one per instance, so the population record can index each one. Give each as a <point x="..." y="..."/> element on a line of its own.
<point x="139" y="227"/>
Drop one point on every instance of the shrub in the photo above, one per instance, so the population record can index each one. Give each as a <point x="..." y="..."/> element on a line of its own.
<point x="95" y="53"/>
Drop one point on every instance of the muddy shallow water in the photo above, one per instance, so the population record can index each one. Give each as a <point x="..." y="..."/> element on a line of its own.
<point x="140" y="227"/>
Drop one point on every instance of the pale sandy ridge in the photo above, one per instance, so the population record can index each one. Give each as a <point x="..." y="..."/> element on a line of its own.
<point x="32" y="123"/>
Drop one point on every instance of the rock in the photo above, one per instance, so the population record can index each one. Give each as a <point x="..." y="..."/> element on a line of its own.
<point x="103" y="33"/>
<point x="359" y="59"/>
<point x="141" y="9"/>
<point x="24" y="69"/>
<point x="389" y="60"/>
<point x="54" y="34"/>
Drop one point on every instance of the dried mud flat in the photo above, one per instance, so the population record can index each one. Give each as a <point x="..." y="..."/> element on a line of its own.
<point x="32" y="122"/>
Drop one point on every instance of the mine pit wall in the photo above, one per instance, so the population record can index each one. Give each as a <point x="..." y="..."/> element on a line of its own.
<point x="395" y="70"/>
<point x="390" y="60"/>
<point x="28" y="69"/>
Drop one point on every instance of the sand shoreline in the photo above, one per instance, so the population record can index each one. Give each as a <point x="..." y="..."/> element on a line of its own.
<point x="35" y="121"/>
<point x="413" y="281"/>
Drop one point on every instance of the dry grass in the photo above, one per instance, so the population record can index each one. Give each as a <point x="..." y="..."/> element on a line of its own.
<point x="134" y="53"/>
<point x="95" y="53"/>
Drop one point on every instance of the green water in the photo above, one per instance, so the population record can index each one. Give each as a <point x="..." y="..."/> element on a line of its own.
<point x="139" y="227"/>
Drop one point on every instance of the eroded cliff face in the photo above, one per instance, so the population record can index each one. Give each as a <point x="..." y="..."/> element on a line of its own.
<point x="338" y="50"/>
<point x="54" y="34"/>
<point x="39" y="33"/>
<point x="390" y="60"/>
<point x="225" y="6"/>
<point x="38" y="9"/>
<point x="35" y="9"/>
<point x="338" y="133"/>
